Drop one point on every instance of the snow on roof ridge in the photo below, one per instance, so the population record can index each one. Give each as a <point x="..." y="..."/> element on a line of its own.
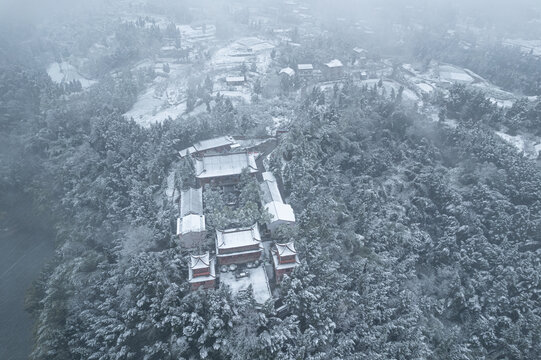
<point x="254" y="232"/>
<point x="288" y="71"/>
<point x="284" y="247"/>
<point x="334" y="63"/>
<point x="204" y="259"/>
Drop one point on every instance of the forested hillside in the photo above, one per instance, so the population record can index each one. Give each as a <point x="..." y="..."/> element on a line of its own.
<point x="419" y="240"/>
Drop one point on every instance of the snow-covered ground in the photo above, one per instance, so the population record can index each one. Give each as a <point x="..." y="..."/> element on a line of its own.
<point x="196" y="34"/>
<point x="526" y="46"/>
<point x="530" y="148"/>
<point x="64" y="72"/>
<point x="244" y="50"/>
<point x="389" y="86"/>
<point x="256" y="277"/>
<point x="164" y="98"/>
<point x="425" y="88"/>
<point x="455" y="74"/>
<point x="150" y="109"/>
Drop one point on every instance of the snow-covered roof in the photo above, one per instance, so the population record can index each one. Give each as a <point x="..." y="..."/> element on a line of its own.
<point x="230" y="79"/>
<point x="287" y="249"/>
<point x="280" y="211"/>
<point x="283" y="266"/>
<point x="200" y="261"/>
<point x="269" y="186"/>
<point x="235" y="238"/>
<point x="191" y="202"/>
<point x="211" y="264"/>
<point x="189" y="150"/>
<point x="191" y="223"/>
<point x="288" y="71"/>
<point x="334" y="64"/>
<point x="359" y="50"/>
<point x="305" y="67"/>
<point x="209" y="144"/>
<point x="212" y="166"/>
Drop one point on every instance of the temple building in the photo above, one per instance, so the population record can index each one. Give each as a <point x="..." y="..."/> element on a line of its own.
<point x="191" y="202"/>
<point x="284" y="260"/>
<point x="238" y="246"/>
<point x="191" y="231"/>
<point x="202" y="271"/>
<point x="224" y="169"/>
<point x="281" y="213"/>
<point x="216" y="145"/>
<point x="191" y="228"/>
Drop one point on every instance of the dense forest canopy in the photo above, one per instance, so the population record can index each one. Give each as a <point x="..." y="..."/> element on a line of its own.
<point x="419" y="239"/>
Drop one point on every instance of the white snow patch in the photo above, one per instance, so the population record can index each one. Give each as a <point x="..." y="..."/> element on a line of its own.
<point x="530" y="148"/>
<point x="256" y="277"/>
<point x="517" y="141"/>
<point x="502" y="103"/>
<point x="425" y="88"/>
<point x="64" y="72"/>
<point x="455" y="74"/>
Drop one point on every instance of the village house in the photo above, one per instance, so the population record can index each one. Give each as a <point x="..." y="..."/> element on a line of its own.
<point x="216" y="145"/>
<point x="238" y="246"/>
<point x="235" y="80"/>
<point x="191" y="228"/>
<point x="202" y="271"/>
<point x="305" y="70"/>
<point x="359" y="53"/>
<point x="224" y="169"/>
<point x="334" y="70"/>
<point x="289" y="72"/>
<point x="284" y="260"/>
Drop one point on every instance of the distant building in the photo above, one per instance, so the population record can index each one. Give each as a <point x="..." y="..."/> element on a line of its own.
<point x="238" y="246"/>
<point x="284" y="260"/>
<point x="305" y="70"/>
<point x="287" y="72"/>
<point x="224" y="169"/>
<point x="360" y="53"/>
<point x="334" y="70"/>
<point x="235" y="80"/>
<point x="202" y="271"/>
<point x="216" y="145"/>
<point x="191" y="231"/>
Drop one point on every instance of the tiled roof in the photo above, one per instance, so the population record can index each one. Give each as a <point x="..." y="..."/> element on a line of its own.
<point x="269" y="186"/>
<point x="191" y="202"/>
<point x="209" y="144"/>
<point x="211" y="166"/>
<point x="234" y="238"/>
<point x="286" y="249"/>
<point x="280" y="211"/>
